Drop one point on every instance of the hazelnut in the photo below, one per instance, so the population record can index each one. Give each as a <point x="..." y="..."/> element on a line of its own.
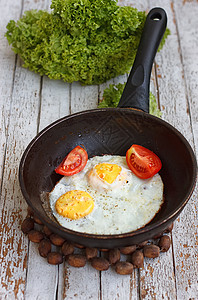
<point x="67" y="248"/>
<point x="100" y="263"/>
<point x="54" y="258"/>
<point x="44" y="247"/>
<point x="137" y="259"/>
<point x="151" y="251"/>
<point x="128" y="250"/>
<point x="91" y="253"/>
<point x="27" y="225"/>
<point x="37" y="220"/>
<point x="169" y="228"/>
<point x="157" y="236"/>
<point x="56" y="239"/>
<point x="114" y="256"/>
<point x="30" y="211"/>
<point x="141" y="245"/>
<point x="124" y="268"/>
<point x="35" y="236"/>
<point x="164" y="243"/>
<point x="47" y="231"/>
<point x="79" y="246"/>
<point x="77" y="260"/>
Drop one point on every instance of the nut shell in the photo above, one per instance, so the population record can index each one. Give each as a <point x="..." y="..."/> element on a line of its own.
<point x="35" y="236"/>
<point x="157" y="236"/>
<point x="137" y="259"/>
<point x="55" y="258"/>
<point x="76" y="260"/>
<point x="27" y="225"/>
<point x="164" y="243"/>
<point x="37" y="220"/>
<point x="91" y="253"/>
<point x="128" y="250"/>
<point x="169" y="228"/>
<point x="79" y="246"/>
<point x="30" y="211"/>
<point x="114" y="256"/>
<point x="100" y="263"/>
<point x="44" y="247"/>
<point x="47" y="231"/>
<point x="67" y="248"/>
<point x="151" y="251"/>
<point x="141" y="245"/>
<point x="123" y="268"/>
<point x="56" y="239"/>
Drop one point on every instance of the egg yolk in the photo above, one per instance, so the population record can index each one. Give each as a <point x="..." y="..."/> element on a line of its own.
<point x="108" y="172"/>
<point x="74" y="204"/>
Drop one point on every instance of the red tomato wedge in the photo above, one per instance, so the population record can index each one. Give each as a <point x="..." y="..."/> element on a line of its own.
<point x="142" y="161"/>
<point x="73" y="163"/>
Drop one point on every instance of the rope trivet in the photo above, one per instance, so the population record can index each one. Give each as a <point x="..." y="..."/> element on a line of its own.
<point x="65" y="250"/>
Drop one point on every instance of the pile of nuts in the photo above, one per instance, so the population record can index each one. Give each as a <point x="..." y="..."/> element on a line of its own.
<point x="66" y="250"/>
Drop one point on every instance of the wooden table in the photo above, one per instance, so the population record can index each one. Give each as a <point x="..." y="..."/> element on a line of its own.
<point x="29" y="102"/>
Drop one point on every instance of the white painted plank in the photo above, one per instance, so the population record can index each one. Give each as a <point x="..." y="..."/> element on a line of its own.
<point x="37" y="287"/>
<point x="185" y="245"/>
<point x="115" y="286"/>
<point x="157" y="278"/>
<point x="7" y="68"/>
<point x="83" y="97"/>
<point x="42" y="278"/>
<point x="188" y="36"/>
<point x="78" y="283"/>
<point x="55" y="101"/>
<point x="21" y="130"/>
<point x="174" y="101"/>
<point x="14" y="246"/>
<point x="153" y="279"/>
<point x="41" y="283"/>
<point x="140" y="5"/>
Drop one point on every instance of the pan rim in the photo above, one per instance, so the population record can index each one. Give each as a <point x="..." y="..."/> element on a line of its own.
<point x="139" y="231"/>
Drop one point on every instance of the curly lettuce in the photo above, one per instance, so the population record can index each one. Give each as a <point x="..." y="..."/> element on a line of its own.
<point x="112" y="94"/>
<point x="90" y="41"/>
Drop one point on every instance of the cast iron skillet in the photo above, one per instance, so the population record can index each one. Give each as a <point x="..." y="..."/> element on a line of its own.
<point x="113" y="131"/>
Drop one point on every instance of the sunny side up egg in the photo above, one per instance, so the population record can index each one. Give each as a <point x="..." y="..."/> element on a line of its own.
<point x="106" y="198"/>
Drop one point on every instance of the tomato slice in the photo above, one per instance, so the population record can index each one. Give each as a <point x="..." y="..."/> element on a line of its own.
<point x="73" y="163"/>
<point x="142" y="161"/>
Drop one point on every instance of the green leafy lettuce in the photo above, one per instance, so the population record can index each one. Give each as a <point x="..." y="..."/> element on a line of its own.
<point x="89" y="41"/>
<point x="112" y="95"/>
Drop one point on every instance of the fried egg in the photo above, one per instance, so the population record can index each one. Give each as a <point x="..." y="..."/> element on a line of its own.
<point x="106" y="198"/>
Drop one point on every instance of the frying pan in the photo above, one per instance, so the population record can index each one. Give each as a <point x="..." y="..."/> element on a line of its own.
<point x="113" y="131"/>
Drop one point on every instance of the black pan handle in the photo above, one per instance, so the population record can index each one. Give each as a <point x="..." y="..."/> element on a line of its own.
<point x="136" y="91"/>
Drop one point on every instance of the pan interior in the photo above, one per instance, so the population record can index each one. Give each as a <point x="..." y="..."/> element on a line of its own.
<point x="108" y="131"/>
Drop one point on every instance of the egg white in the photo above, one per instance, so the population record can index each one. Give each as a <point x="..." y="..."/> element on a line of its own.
<point x="118" y="208"/>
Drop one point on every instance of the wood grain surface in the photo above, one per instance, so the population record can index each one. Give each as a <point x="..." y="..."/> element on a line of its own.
<point x="28" y="103"/>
